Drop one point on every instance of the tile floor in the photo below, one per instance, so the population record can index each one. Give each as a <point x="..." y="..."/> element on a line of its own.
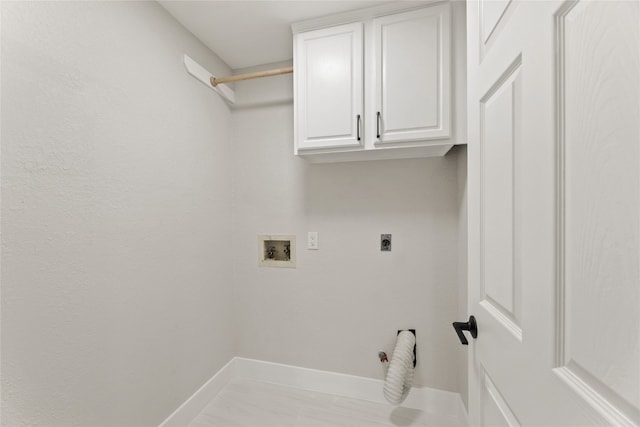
<point x="259" y="404"/>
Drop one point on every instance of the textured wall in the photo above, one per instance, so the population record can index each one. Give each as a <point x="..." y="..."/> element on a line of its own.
<point x="345" y="301"/>
<point x="122" y="265"/>
<point x="115" y="215"/>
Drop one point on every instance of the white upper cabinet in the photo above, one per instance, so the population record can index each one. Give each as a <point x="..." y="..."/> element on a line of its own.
<point x="329" y="87"/>
<point x="380" y="83"/>
<point x="412" y="75"/>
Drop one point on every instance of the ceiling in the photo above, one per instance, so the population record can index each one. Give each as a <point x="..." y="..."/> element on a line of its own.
<point x="246" y="33"/>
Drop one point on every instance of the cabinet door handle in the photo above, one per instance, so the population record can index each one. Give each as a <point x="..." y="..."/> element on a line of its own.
<point x="358" y="126"/>
<point x="378" y="125"/>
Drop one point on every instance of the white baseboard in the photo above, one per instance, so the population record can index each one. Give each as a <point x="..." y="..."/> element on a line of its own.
<point x="198" y="400"/>
<point x="422" y="398"/>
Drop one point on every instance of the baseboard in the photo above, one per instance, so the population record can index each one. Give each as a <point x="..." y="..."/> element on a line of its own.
<point x="422" y="398"/>
<point x="463" y="416"/>
<point x="198" y="400"/>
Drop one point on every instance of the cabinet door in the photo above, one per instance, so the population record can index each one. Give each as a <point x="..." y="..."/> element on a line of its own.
<point x="412" y="75"/>
<point x="328" y="87"/>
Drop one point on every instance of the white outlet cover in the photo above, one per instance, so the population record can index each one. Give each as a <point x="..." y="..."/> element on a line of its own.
<point x="312" y="240"/>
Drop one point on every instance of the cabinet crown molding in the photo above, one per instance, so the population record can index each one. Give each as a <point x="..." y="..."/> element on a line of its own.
<point x="360" y="15"/>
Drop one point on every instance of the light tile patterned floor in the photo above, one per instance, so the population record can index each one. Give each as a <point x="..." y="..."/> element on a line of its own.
<point x="259" y="404"/>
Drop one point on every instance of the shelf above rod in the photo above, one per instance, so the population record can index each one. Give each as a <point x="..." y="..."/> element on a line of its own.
<point x="215" y="81"/>
<point x="205" y="77"/>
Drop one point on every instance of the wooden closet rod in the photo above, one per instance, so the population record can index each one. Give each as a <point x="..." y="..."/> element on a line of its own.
<point x="215" y="81"/>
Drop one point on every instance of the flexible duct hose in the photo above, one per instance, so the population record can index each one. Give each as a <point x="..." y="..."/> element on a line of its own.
<point x="400" y="374"/>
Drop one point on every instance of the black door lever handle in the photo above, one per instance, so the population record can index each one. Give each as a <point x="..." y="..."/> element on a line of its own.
<point x="470" y="326"/>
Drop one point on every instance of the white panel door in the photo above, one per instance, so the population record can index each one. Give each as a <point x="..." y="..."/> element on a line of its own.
<point x="412" y="75"/>
<point x="329" y="87"/>
<point x="554" y="212"/>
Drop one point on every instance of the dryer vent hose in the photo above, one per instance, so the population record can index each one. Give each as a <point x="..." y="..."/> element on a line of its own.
<point x="400" y="374"/>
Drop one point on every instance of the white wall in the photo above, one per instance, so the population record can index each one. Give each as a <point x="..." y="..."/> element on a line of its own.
<point x="116" y="284"/>
<point x="129" y="219"/>
<point x="345" y="301"/>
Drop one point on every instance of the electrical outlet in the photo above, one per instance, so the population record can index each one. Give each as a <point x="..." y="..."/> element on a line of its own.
<point x="385" y="242"/>
<point x="312" y="240"/>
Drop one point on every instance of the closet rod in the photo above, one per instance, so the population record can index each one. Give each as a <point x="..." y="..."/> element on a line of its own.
<point x="215" y="81"/>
